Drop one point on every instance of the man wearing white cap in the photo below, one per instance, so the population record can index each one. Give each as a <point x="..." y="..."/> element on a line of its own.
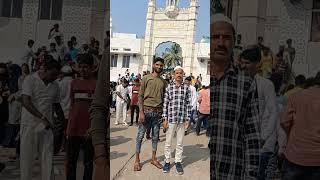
<point x="176" y="114"/>
<point x="234" y="124"/>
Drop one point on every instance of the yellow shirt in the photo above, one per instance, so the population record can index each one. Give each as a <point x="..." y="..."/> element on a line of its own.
<point x="266" y="64"/>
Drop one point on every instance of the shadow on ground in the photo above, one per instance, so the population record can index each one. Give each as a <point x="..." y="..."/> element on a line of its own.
<point x="119" y="140"/>
<point x="194" y="153"/>
<point x="115" y="129"/>
<point x="191" y="154"/>
<point x="116" y="154"/>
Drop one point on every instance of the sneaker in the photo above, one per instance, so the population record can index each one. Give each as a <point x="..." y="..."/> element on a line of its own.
<point x="125" y="124"/>
<point x="116" y="123"/>
<point x="130" y="124"/>
<point x="166" y="168"/>
<point x="179" y="168"/>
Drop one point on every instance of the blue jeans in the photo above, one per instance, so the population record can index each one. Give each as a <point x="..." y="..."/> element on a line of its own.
<point x="268" y="166"/>
<point x="291" y="171"/>
<point x="203" y="118"/>
<point x="194" y="117"/>
<point x="152" y="120"/>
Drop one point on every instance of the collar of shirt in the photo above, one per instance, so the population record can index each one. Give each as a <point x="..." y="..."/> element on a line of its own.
<point x="176" y="85"/>
<point x="230" y="70"/>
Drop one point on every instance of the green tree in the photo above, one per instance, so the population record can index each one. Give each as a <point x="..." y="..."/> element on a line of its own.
<point x="172" y="56"/>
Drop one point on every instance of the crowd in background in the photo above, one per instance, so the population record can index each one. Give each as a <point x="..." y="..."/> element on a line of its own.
<point x="69" y="71"/>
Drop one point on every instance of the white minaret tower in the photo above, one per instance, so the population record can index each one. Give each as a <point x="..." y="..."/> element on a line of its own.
<point x="172" y="24"/>
<point x="111" y="27"/>
<point x="147" y="57"/>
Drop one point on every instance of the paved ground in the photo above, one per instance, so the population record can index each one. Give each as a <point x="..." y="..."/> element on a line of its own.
<point x="196" y="156"/>
<point x="12" y="170"/>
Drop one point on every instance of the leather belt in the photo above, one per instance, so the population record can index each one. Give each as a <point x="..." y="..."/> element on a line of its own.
<point x="152" y="109"/>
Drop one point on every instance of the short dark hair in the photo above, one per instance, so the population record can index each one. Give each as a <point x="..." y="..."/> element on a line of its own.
<point x="277" y="79"/>
<point x="73" y="38"/>
<point x="51" y="64"/>
<point x="318" y="75"/>
<point x="56" y="25"/>
<point x="158" y="59"/>
<point x="260" y="38"/>
<point x="289" y="40"/>
<point x="3" y="66"/>
<point x="86" y="59"/>
<point x="188" y="78"/>
<point x="309" y="82"/>
<point x="317" y="80"/>
<point x="300" y="80"/>
<point x="30" y="41"/>
<point x="253" y="54"/>
<point x="125" y="81"/>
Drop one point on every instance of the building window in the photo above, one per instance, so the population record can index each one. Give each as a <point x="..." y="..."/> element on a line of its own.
<point x="51" y="9"/>
<point x="114" y="60"/>
<point x="315" y="23"/>
<point x="11" y="8"/>
<point x="125" y="61"/>
<point x="126" y="49"/>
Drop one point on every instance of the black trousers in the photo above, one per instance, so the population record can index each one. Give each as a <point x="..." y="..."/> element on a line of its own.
<point x="73" y="146"/>
<point x="134" y="108"/>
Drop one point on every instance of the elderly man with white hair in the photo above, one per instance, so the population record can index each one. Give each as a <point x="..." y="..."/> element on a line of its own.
<point x="234" y="125"/>
<point x="176" y="114"/>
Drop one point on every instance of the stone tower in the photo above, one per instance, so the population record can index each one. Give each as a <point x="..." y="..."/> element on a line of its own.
<point x="170" y="24"/>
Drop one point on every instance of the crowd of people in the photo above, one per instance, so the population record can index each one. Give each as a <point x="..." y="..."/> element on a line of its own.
<point x="157" y="98"/>
<point x="263" y="117"/>
<point x="45" y="101"/>
<point x="272" y="63"/>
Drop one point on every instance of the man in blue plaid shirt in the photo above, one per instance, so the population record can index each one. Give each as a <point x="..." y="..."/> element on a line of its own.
<point x="235" y="140"/>
<point x="176" y="114"/>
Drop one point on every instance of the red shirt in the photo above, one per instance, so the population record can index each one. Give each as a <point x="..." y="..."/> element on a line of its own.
<point x="81" y="94"/>
<point x="135" y="95"/>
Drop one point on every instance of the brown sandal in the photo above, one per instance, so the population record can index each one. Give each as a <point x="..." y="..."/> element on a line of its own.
<point x="157" y="164"/>
<point x="137" y="166"/>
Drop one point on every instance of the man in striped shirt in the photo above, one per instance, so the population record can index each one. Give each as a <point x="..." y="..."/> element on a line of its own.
<point x="176" y="114"/>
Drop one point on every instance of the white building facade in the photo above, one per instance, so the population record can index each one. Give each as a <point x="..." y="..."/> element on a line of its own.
<point x="21" y="20"/>
<point x="169" y="24"/>
<point x="277" y="21"/>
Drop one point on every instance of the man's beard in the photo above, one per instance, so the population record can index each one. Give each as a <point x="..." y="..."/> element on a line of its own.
<point x="158" y="70"/>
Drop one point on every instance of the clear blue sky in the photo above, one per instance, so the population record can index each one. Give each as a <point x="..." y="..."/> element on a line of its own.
<point x="129" y="16"/>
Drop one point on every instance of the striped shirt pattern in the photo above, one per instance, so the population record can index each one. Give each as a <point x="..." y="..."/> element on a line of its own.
<point x="177" y="103"/>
